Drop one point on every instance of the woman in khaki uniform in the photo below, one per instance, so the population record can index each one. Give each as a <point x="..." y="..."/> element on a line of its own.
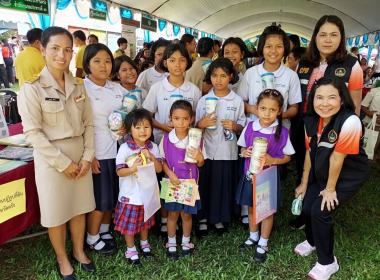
<point x="57" y="120"/>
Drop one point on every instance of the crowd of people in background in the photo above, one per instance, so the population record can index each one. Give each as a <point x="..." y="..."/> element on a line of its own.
<point x="310" y="115"/>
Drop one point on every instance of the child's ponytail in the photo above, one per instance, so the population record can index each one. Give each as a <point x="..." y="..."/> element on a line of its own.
<point x="279" y="128"/>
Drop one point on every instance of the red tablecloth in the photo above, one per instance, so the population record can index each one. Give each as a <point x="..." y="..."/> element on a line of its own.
<point x="16" y="225"/>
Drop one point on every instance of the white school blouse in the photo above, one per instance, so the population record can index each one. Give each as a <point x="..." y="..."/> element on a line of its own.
<point x="103" y="101"/>
<point x="287" y="83"/>
<point x="287" y="150"/>
<point x="149" y="77"/>
<point x="234" y="87"/>
<point x="229" y="107"/>
<point x="129" y="187"/>
<point x="158" y="101"/>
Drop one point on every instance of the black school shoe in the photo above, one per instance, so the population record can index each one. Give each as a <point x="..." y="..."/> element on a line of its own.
<point x="147" y="255"/>
<point x="201" y="233"/>
<point x="297" y="223"/>
<point x="106" y="250"/>
<point x="172" y="256"/>
<point x="187" y="252"/>
<point x="245" y="225"/>
<point x="89" y="267"/>
<point x="261" y="257"/>
<point x="111" y="241"/>
<point x="243" y="247"/>
<point x="135" y="263"/>
<point x="221" y="231"/>
<point x="65" y="277"/>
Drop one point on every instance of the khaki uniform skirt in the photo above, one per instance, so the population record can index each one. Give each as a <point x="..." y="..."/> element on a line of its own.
<point x="60" y="198"/>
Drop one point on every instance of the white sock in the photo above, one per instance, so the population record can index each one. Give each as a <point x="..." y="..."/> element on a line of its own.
<point x="203" y="225"/>
<point x="91" y="239"/>
<point x="105" y="228"/>
<point x="262" y="242"/>
<point x="144" y="243"/>
<point x="254" y="236"/>
<point x="245" y="220"/>
<point x="185" y="240"/>
<point x="133" y="249"/>
<point x="164" y="227"/>
<point x="172" y="240"/>
<point x="244" y="210"/>
<point x="219" y="225"/>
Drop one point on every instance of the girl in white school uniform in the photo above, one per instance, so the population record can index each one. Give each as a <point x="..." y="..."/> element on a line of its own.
<point x="154" y="74"/>
<point x="273" y="45"/>
<point x="218" y="177"/>
<point x="176" y="60"/>
<point x="129" y="213"/>
<point x="105" y="96"/>
<point x="235" y="50"/>
<point x="269" y="126"/>
<point x="126" y="74"/>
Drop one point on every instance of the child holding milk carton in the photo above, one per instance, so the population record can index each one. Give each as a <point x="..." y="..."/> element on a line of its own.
<point x="274" y="46"/>
<point x="266" y="139"/>
<point x="175" y="60"/>
<point x="221" y="114"/>
<point x="126" y="74"/>
<point x="183" y="152"/>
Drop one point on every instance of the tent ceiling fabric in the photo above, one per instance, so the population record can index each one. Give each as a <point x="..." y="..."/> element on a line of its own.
<point x="244" y="18"/>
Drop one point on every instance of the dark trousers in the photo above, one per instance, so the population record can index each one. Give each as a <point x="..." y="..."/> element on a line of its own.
<point x="319" y="225"/>
<point x="298" y="141"/>
<point x="9" y="64"/>
<point x="4" y="75"/>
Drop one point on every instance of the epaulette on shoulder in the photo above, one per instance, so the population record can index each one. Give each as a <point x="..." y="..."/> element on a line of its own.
<point x="33" y="78"/>
<point x="79" y="80"/>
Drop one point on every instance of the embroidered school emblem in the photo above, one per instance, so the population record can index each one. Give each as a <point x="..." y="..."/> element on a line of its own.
<point x="332" y="136"/>
<point x="304" y="70"/>
<point x="340" y="72"/>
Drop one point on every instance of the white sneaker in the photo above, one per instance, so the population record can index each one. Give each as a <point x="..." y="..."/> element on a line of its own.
<point x="324" y="272"/>
<point x="304" y="249"/>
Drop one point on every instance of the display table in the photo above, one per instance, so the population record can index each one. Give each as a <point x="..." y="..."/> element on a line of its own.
<point x="19" y="223"/>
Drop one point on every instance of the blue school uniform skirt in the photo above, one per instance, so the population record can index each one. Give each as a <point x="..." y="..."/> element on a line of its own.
<point x="106" y="185"/>
<point x="244" y="194"/>
<point x="217" y="186"/>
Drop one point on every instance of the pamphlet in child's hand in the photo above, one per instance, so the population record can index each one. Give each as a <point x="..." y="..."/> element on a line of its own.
<point x="185" y="193"/>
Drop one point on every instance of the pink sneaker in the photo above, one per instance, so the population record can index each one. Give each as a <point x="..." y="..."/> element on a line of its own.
<point x="324" y="272"/>
<point x="304" y="249"/>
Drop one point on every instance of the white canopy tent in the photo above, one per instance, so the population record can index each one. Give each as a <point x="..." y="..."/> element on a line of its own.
<point x="247" y="18"/>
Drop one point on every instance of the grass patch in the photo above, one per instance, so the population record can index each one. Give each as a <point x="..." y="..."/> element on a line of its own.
<point x="357" y="240"/>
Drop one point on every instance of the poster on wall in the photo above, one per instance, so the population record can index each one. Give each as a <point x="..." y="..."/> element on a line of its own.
<point x="129" y="33"/>
<point x="102" y="35"/>
<point x="112" y="40"/>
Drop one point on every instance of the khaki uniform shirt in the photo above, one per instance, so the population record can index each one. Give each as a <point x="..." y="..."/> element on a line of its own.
<point x="196" y="73"/>
<point x="48" y="113"/>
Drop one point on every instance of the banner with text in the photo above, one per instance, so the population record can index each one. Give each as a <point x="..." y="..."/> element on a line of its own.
<point x="12" y="199"/>
<point x="30" y="6"/>
<point x="148" y="24"/>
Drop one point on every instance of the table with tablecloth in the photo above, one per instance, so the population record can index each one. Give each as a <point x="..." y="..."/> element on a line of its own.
<point x="19" y="223"/>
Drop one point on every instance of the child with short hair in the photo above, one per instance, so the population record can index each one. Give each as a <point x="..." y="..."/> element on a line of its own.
<point x="129" y="213"/>
<point x="219" y="177"/>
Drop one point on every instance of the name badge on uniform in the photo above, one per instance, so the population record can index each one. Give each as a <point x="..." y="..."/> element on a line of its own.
<point x="52" y="99"/>
<point x="80" y="97"/>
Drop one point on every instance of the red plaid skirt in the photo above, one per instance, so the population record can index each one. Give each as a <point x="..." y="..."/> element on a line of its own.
<point x="129" y="219"/>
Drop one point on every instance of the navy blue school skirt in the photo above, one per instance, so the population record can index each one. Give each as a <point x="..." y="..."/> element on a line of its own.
<point x="106" y="185"/>
<point x="244" y="194"/>
<point x="218" y="180"/>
